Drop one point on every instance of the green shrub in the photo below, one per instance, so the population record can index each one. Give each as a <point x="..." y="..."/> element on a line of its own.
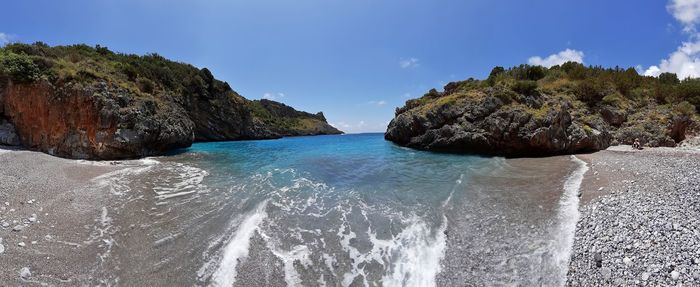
<point x="614" y="99"/>
<point x="19" y="67"/>
<point x="590" y="91"/>
<point x="146" y="85"/>
<point x="684" y="108"/>
<point x="526" y="88"/>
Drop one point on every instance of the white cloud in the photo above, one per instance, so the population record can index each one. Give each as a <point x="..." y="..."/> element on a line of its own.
<point x="408" y="63"/>
<point x="271" y="96"/>
<point x="685" y="11"/>
<point x="377" y="103"/>
<point x="340" y="125"/>
<point x="685" y="61"/>
<point x="360" y="126"/>
<point x="562" y="57"/>
<point x="4" y="39"/>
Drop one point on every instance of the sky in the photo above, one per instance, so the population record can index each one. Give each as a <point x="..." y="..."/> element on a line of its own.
<point x="358" y="60"/>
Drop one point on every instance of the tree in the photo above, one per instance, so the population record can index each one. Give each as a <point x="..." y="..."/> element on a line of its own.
<point x="669" y="79"/>
<point x="496" y="71"/>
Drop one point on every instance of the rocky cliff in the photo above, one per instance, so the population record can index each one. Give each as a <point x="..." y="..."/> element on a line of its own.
<point x="535" y="111"/>
<point x="91" y="103"/>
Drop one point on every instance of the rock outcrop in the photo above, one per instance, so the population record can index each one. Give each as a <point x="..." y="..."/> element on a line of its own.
<point x="99" y="122"/>
<point x="484" y="124"/>
<point x="89" y="103"/>
<point x="8" y="135"/>
<point x="516" y="114"/>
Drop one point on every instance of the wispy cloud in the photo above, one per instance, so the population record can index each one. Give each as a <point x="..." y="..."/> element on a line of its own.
<point x="4" y="39"/>
<point x="685" y="61"/>
<point x="685" y="11"/>
<point x="568" y="55"/>
<point x="360" y="126"/>
<point x="377" y="103"/>
<point x="408" y="63"/>
<point x="273" y="96"/>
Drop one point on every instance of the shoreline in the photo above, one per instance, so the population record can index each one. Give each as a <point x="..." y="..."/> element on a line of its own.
<point x="639" y="221"/>
<point x="66" y="216"/>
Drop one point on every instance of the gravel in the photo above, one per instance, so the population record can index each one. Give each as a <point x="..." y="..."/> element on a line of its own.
<point x="645" y="231"/>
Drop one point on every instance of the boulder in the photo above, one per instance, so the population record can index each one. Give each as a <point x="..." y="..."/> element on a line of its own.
<point x="8" y="135"/>
<point x="613" y="116"/>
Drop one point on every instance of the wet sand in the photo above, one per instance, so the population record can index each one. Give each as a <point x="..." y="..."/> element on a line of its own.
<point x="517" y="240"/>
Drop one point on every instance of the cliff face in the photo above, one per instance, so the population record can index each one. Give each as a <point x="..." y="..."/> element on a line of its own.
<point x="285" y="120"/>
<point x="96" y="122"/>
<point x="89" y="103"/>
<point x="513" y="115"/>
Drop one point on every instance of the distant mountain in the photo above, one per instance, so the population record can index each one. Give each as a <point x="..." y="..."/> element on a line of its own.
<point x="89" y="102"/>
<point x="537" y="111"/>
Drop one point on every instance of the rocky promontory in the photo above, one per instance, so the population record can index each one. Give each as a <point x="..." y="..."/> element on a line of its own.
<point x="537" y="111"/>
<point x="91" y="103"/>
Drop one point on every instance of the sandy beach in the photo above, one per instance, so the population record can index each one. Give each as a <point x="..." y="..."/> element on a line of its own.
<point x="53" y="228"/>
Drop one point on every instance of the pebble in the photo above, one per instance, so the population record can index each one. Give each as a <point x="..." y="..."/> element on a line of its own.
<point x="21" y="244"/>
<point x="650" y="226"/>
<point x="606" y="272"/>
<point x="18" y="228"/>
<point x="32" y="218"/>
<point x="25" y="273"/>
<point x="675" y="275"/>
<point x="598" y="258"/>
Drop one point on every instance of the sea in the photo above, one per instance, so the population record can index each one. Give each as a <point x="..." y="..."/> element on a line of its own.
<point x="338" y="210"/>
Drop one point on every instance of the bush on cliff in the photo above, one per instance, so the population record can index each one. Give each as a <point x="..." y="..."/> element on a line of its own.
<point x="19" y="67"/>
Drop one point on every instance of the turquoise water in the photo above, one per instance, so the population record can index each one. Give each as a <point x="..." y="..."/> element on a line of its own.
<point x="350" y="209"/>
<point x="347" y="210"/>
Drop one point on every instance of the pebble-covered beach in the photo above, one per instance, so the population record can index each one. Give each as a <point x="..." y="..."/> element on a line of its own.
<point x="640" y="220"/>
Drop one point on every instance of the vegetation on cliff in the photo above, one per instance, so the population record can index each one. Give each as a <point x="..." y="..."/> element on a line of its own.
<point x="533" y="110"/>
<point x="141" y="104"/>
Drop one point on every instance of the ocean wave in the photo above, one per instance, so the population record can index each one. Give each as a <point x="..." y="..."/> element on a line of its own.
<point x="568" y="216"/>
<point x="237" y="247"/>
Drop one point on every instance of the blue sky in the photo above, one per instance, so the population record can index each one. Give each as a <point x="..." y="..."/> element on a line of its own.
<point x="358" y="60"/>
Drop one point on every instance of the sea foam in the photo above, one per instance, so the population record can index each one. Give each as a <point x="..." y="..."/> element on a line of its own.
<point x="568" y="217"/>
<point x="237" y="247"/>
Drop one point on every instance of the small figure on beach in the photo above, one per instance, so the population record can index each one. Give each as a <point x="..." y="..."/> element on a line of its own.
<point x="637" y="144"/>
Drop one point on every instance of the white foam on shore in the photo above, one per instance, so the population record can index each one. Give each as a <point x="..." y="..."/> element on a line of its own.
<point x="237" y="247"/>
<point x="419" y="255"/>
<point x="118" y="181"/>
<point x="300" y="254"/>
<point x="568" y="217"/>
<point x="187" y="180"/>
